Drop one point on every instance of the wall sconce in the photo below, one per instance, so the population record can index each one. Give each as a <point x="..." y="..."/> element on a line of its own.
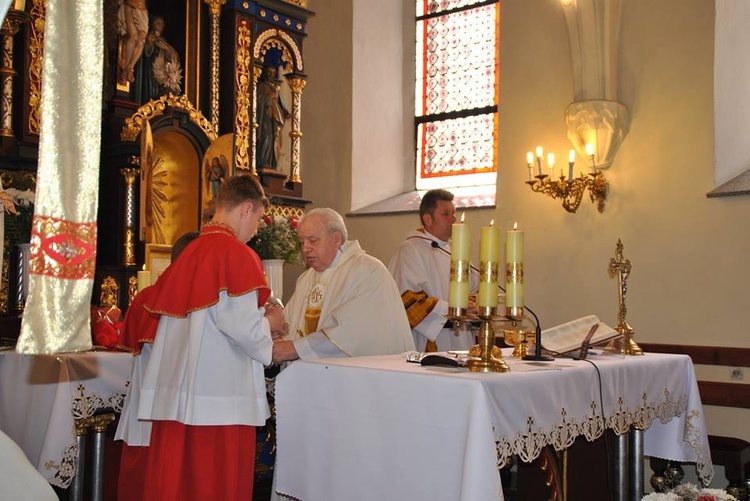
<point x="570" y="189"/>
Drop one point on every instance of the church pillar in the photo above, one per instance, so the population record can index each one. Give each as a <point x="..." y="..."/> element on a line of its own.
<point x="297" y="84"/>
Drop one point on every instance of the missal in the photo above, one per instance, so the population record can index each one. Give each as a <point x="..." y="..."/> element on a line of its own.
<point x="577" y="335"/>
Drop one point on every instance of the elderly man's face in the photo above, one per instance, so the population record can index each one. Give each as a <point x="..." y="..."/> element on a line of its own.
<point x="319" y="247"/>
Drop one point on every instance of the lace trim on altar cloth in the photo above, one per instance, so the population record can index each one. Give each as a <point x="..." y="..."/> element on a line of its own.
<point x="85" y="405"/>
<point x="529" y="444"/>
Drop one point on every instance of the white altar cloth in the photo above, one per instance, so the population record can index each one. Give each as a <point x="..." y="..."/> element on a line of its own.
<point x="41" y="396"/>
<point x="375" y="428"/>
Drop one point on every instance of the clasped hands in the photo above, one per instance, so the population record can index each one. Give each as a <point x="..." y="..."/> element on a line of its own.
<point x="283" y="351"/>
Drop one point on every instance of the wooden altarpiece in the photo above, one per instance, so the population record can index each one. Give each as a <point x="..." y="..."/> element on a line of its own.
<point x="164" y="155"/>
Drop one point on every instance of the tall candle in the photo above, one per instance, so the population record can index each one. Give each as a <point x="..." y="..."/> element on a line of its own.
<point x="514" y="268"/>
<point x="551" y="164"/>
<point x="571" y="163"/>
<point x="539" y="153"/>
<point x="458" y="290"/>
<point x="144" y="279"/>
<point x="489" y="261"/>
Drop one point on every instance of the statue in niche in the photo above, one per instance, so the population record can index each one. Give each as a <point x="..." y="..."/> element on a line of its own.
<point x="272" y="113"/>
<point x="132" y="22"/>
<point x="161" y="71"/>
<point x="216" y="171"/>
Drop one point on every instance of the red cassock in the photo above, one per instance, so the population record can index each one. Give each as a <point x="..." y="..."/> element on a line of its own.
<point x="182" y="461"/>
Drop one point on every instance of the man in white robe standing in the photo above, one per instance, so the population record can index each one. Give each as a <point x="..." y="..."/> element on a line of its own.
<point x="421" y="268"/>
<point x="345" y="304"/>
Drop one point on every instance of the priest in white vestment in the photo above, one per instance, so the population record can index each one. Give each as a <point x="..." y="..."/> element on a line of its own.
<point x="421" y="268"/>
<point x="346" y="303"/>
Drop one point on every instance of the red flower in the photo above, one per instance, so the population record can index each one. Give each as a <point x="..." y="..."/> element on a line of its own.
<point x="267" y="220"/>
<point x="706" y="497"/>
<point x="293" y="222"/>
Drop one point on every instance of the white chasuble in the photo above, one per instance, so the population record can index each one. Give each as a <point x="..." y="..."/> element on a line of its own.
<point x="63" y="233"/>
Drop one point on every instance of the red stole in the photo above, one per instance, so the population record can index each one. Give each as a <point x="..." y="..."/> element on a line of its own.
<point x="215" y="261"/>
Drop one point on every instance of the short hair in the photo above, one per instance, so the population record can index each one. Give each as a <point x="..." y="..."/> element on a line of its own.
<point x="332" y="220"/>
<point x="240" y="189"/>
<point x="183" y="242"/>
<point x="430" y="200"/>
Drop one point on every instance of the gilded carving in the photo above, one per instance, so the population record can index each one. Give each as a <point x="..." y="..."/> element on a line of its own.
<point x="266" y="40"/>
<point x="109" y="291"/>
<point x="215" y="62"/>
<point x="214" y="6"/>
<point x="297" y="85"/>
<point x="156" y="107"/>
<point x="36" y="48"/>
<point x="301" y="3"/>
<point x="242" y="118"/>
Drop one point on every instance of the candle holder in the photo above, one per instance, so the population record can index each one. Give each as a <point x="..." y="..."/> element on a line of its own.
<point x="571" y="190"/>
<point x="490" y="357"/>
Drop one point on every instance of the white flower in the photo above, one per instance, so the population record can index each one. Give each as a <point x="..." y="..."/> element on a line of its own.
<point x="658" y="496"/>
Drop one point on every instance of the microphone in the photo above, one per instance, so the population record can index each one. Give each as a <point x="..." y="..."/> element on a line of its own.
<point x="537" y="356"/>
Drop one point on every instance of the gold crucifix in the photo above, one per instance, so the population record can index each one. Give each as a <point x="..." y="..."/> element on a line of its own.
<point x="621" y="267"/>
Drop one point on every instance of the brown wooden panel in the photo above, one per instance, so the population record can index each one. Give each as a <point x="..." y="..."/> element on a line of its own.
<point x="725" y="394"/>
<point x="705" y="355"/>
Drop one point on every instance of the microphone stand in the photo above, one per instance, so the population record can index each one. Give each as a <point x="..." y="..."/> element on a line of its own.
<point x="537" y="356"/>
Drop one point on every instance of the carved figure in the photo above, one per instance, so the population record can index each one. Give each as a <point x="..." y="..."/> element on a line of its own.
<point x="132" y="18"/>
<point x="272" y="113"/>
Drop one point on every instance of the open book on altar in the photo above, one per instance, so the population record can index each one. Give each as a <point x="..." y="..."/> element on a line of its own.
<point x="572" y="336"/>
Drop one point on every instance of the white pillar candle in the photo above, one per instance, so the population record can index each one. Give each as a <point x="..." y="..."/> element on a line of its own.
<point x="458" y="291"/>
<point x="514" y="268"/>
<point x="489" y="261"/>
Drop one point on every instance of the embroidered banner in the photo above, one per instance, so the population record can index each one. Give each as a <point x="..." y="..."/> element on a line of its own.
<point x="63" y="243"/>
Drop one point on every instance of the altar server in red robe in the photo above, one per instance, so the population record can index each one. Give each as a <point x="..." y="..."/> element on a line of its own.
<point x="139" y="328"/>
<point x="202" y="390"/>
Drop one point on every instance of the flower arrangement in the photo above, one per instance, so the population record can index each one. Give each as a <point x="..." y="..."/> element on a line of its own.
<point x="277" y="239"/>
<point x="690" y="492"/>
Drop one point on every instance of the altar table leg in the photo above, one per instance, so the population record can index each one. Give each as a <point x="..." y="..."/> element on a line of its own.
<point x="98" y="473"/>
<point x="623" y="467"/>
<point x="76" y="487"/>
<point x="637" y="468"/>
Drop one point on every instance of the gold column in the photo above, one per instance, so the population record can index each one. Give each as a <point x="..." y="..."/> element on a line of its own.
<point x="214" y="7"/>
<point x="242" y="98"/>
<point x="257" y="72"/>
<point x="12" y="23"/>
<point x="297" y="84"/>
<point x="130" y="174"/>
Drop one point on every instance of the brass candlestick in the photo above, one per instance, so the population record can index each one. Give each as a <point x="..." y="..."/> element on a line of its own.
<point x="624" y="345"/>
<point x="490" y="357"/>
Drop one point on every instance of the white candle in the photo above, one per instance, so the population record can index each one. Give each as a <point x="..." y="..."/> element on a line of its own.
<point x="489" y="261"/>
<point x="551" y="163"/>
<point x="514" y="268"/>
<point x="144" y="279"/>
<point x="458" y="291"/>
<point x="539" y="154"/>
<point x="571" y="163"/>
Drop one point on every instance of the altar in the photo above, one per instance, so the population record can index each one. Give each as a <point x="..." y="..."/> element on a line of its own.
<point x="43" y="397"/>
<point x="375" y="428"/>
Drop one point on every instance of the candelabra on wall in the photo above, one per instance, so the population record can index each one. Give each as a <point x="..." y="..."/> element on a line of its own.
<point x="570" y="189"/>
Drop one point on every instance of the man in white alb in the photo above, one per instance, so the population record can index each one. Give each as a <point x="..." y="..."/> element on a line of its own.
<point x="345" y="304"/>
<point x="421" y="268"/>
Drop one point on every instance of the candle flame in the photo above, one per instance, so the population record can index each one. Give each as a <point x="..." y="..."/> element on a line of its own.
<point x="462" y="216"/>
<point x="515" y="226"/>
<point x="492" y="221"/>
<point x="572" y="156"/>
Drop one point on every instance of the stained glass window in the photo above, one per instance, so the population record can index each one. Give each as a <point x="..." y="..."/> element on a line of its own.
<point x="457" y="75"/>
